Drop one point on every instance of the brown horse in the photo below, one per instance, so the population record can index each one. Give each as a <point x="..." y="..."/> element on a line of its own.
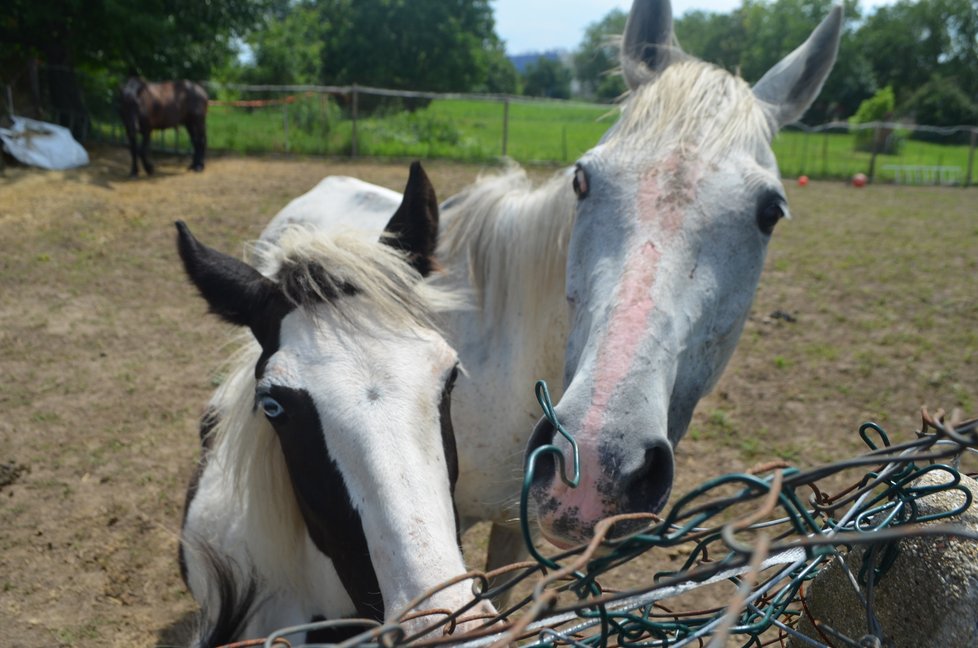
<point x="146" y="106"/>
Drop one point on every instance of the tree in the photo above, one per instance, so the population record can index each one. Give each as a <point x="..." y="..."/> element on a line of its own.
<point x="432" y="45"/>
<point x="596" y="59"/>
<point x="941" y="102"/>
<point x="547" y="77"/>
<point x="108" y="38"/>
<point x="287" y="48"/>
<point x="714" y="37"/>
<point x="909" y="43"/>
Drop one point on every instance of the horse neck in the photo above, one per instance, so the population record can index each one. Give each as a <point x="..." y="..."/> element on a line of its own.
<point x="508" y="243"/>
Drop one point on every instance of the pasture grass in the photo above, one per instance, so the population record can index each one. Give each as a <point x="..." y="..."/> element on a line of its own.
<point x="472" y="131"/>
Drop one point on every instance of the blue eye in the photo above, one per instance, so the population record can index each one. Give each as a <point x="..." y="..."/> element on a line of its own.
<point x="271" y="407"/>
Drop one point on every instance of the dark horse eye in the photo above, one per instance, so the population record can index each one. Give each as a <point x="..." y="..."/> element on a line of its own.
<point x="580" y="182"/>
<point x="768" y="216"/>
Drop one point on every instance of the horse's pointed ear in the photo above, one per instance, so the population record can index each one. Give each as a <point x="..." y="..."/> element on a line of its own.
<point x="414" y="226"/>
<point x="233" y="290"/>
<point x="791" y="86"/>
<point x="648" y="45"/>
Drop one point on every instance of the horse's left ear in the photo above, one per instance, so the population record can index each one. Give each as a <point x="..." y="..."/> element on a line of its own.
<point x="791" y="86"/>
<point x="414" y="226"/>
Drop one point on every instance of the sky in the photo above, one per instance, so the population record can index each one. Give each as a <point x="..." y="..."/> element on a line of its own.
<point x="540" y="25"/>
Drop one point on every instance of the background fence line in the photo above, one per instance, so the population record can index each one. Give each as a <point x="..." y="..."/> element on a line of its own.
<point x="354" y="120"/>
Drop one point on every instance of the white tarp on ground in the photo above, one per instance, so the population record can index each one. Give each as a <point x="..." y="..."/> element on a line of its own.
<point x="41" y="144"/>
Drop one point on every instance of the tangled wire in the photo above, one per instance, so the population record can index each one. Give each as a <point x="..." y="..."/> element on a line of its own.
<point x="751" y="531"/>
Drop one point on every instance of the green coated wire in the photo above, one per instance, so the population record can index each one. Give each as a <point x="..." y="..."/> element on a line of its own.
<point x="543" y="397"/>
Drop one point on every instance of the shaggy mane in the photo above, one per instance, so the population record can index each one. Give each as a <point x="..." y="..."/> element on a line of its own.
<point x="510" y="234"/>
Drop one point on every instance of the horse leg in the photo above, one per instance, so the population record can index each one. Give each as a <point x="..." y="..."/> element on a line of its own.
<point x="144" y="151"/>
<point x="198" y="136"/>
<point x="505" y="547"/>
<point x="133" y="151"/>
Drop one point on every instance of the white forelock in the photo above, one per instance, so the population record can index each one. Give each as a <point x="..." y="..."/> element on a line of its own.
<point x="693" y="104"/>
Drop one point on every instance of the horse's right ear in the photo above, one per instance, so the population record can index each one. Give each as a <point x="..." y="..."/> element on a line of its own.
<point x="648" y="45"/>
<point x="233" y="290"/>
<point x="414" y="226"/>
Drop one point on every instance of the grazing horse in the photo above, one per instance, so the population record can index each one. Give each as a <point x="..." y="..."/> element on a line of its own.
<point x="624" y="281"/>
<point x="145" y="107"/>
<point x="325" y="485"/>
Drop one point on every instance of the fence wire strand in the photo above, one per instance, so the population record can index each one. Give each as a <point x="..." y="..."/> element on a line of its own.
<point x="754" y="532"/>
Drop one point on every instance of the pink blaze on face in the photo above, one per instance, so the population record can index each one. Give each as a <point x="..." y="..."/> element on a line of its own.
<point x="664" y="193"/>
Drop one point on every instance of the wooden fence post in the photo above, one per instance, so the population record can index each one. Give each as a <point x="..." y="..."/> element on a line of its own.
<point x="285" y="124"/>
<point x="353" y="138"/>
<point x="971" y="157"/>
<point x="825" y="153"/>
<point x="505" y="125"/>
<point x="872" y="159"/>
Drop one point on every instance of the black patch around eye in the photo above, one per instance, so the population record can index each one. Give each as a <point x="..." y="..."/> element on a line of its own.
<point x="581" y="187"/>
<point x="769" y="213"/>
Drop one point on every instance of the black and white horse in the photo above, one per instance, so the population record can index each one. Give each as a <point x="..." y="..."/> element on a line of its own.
<point x="328" y="466"/>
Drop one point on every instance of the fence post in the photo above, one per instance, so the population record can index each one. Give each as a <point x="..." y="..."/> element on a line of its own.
<point x="825" y="154"/>
<point x="971" y="157"/>
<point x="353" y="138"/>
<point x="285" y="124"/>
<point x="872" y="159"/>
<point x="505" y="125"/>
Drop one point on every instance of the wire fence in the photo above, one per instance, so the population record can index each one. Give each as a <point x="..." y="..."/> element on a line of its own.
<point x="761" y="537"/>
<point x="377" y="122"/>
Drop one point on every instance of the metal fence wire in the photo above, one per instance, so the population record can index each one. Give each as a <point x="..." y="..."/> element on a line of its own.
<point x="762" y="535"/>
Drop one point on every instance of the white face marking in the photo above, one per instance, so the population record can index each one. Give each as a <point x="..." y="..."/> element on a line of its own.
<point x="377" y="393"/>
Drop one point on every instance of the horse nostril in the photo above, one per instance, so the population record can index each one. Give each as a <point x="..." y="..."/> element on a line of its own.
<point x="545" y="465"/>
<point x="647" y="489"/>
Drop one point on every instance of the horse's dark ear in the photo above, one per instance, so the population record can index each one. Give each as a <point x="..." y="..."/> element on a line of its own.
<point x="414" y="226"/>
<point x="233" y="290"/>
<point x="648" y="44"/>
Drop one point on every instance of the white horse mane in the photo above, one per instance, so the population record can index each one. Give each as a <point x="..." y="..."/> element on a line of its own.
<point x="692" y="101"/>
<point x="315" y="266"/>
<point x="511" y="234"/>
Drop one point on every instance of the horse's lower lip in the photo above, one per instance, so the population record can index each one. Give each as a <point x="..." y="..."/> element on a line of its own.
<point x="561" y="543"/>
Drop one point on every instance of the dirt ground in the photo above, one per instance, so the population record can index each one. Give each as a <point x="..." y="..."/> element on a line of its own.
<point x="866" y="310"/>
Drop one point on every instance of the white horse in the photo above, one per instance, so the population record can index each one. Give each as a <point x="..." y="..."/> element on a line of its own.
<point x="626" y="280"/>
<point x="329" y="461"/>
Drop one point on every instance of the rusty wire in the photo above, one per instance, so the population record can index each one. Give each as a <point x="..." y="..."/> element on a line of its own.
<point x="752" y="531"/>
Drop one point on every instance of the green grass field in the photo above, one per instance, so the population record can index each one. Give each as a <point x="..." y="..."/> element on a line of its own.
<point x="472" y="131"/>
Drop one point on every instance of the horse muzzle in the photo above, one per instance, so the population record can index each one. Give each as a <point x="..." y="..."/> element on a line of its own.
<point x="614" y="480"/>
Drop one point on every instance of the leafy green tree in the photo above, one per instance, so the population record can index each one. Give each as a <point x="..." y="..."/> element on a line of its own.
<point x="501" y="77"/>
<point x="596" y="59"/>
<point x="878" y="108"/>
<point x="547" y="77"/>
<point x="941" y="102"/>
<point x="432" y="45"/>
<point x="714" y="37"/>
<point x="909" y="43"/>
<point x="287" y="48"/>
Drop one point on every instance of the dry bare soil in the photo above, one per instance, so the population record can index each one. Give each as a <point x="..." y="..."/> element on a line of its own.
<point x="866" y="310"/>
